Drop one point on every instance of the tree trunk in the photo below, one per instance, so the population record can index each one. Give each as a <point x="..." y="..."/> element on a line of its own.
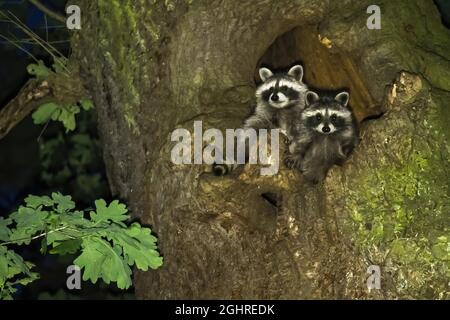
<point x="153" y="67"/>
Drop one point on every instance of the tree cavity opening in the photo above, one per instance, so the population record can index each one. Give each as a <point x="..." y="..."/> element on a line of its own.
<point x="325" y="66"/>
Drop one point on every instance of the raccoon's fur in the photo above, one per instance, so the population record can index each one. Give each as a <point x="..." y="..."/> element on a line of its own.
<point x="280" y="100"/>
<point x="326" y="134"/>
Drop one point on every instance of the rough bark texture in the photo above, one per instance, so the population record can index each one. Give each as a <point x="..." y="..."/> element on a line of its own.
<point x="153" y="67"/>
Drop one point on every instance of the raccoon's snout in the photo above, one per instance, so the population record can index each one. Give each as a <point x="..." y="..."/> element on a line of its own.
<point x="275" y="97"/>
<point x="326" y="129"/>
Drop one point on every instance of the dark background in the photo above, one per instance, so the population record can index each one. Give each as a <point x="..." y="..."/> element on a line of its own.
<point x="25" y="170"/>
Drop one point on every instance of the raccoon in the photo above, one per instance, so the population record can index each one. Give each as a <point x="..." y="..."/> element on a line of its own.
<point x="280" y="99"/>
<point x="325" y="135"/>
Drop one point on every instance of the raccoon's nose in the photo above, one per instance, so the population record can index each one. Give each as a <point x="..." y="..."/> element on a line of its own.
<point x="326" y="129"/>
<point x="275" y="97"/>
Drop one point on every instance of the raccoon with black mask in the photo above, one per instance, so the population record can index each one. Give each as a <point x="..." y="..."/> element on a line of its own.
<point x="280" y="99"/>
<point x="326" y="134"/>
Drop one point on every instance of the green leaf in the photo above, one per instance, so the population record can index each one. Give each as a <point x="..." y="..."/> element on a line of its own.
<point x="4" y="230"/>
<point x="29" y="222"/>
<point x="39" y="70"/>
<point x="115" y="212"/>
<point x="82" y="141"/>
<point x="11" y="265"/>
<point x="108" y="247"/>
<point x="3" y="266"/>
<point x="67" y="247"/>
<point x="54" y="238"/>
<point x="46" y="112"/>
<point x="76" y="219"/>
<point x="67" y="117"/>
<point x="27" y="280"/>
<point x="52" y="111"/>
<point x="17" y="264"/>
<point x="35" y="201"/>
<point x="43" y="249"/>
<point x="29" y="217"/>
<point x="139" y="246"/>
<point x="100" y="260"/>
<point x="6" y="294"/>
<point x="91" y="259"/>
<point x="86" y="104"/>
<point x="64" y="203"/>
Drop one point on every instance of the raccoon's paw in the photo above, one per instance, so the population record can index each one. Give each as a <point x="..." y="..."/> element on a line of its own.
<point x="293" y="161"/>
<point x="220" y="170"/>
<point x="314" y="177"/>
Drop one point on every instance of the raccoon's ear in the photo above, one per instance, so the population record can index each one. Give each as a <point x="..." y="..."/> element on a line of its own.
<point x="265" y="74"/>
<point x="311" y="97"/>
<point x="343" y="98"/>
<point x="296" y="72"/>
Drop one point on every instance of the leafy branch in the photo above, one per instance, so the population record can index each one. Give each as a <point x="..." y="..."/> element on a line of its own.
<point x="56" y="92"/>
<point x="108" y="247"/>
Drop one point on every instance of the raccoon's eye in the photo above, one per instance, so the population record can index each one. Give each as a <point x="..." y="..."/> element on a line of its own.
<point x="319" y="117"/>
<point x="284" y="88"/>
<point x="333" y="117"/>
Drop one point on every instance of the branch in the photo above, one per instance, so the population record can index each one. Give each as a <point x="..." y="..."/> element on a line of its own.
<point x="33" y="94"/>
<point x="47" y="11"/>
<point x="58" y="88"/>
<point x="44" y="234"/>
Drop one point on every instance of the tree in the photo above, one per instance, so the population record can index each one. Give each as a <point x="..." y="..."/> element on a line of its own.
<point x="151" y="67"/>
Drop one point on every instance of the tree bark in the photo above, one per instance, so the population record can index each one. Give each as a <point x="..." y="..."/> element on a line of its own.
<point x="153" y="67"/>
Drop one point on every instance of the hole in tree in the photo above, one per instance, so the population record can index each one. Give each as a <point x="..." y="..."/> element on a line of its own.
<point x="324" y="67"/>
<point x="272" y="198"/>
<point x="373" y="117"/>
<point x="444" y="10"/>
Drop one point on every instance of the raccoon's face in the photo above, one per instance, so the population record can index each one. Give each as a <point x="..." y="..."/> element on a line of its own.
<point x="281" y="90"/>
<point x="327" y="115"/>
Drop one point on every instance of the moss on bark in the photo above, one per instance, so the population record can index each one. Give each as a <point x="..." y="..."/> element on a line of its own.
<point x="152" y="66"/>
<point x="396" y="193"/>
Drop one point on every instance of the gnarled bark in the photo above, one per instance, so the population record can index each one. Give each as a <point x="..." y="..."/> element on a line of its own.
<point x="153" y="67"/>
